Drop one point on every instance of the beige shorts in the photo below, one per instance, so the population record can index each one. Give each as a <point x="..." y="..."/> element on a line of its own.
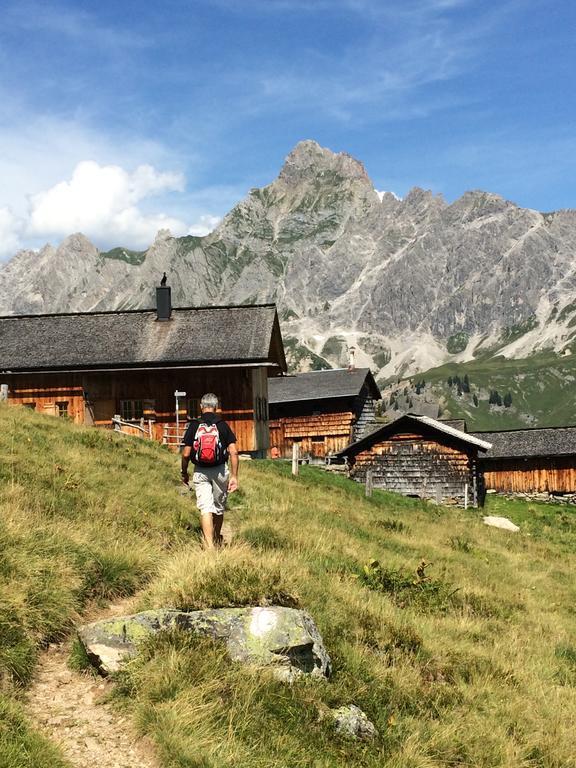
<point x="211" y="486"/>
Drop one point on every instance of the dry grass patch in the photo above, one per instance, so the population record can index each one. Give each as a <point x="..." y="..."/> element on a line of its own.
<point x="196" y="579"/>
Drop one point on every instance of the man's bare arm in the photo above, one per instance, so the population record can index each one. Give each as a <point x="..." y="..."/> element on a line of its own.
<point x="185" y="461"/>
<point x="234" y="462"/>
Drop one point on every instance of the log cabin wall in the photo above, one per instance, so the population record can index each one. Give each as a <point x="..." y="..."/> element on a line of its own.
<point x="94" y="398"/>
<point x="318" y="435"/>
<point x="415" y="465"/>
<point x="56" y="395"/>
<point x="531" y="475"/>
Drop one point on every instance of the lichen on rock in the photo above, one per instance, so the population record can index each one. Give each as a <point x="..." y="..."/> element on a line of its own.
<point x="285" y="639"/>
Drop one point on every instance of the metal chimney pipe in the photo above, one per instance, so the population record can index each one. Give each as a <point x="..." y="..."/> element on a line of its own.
<point x="163" y="303"/>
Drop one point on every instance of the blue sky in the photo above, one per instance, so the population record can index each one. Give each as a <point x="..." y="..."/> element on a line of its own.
<point x="120" y="117"/>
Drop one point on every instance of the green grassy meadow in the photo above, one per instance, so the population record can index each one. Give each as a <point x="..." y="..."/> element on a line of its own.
<point x="542" y="389"/>
<point x="475" y="667"/>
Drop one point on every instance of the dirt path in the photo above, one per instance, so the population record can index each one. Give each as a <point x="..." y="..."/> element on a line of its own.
<point x="68" y="706"/>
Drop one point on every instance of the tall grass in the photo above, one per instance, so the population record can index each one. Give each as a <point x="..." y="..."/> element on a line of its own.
<point x="471" y="664"/>
<point x="85" y="516"/>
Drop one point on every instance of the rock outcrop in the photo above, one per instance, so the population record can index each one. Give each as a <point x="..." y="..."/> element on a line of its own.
<point x="285" y="639"/>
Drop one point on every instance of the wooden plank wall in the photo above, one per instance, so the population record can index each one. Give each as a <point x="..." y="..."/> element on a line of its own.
<point x="95" y="397"/>
<point x="367" y="416"/>
<point x="44" y="391"/>
<point x="260" y="409"/>
<point x="318" y="435"/>
<point x="416" y="466"/>
<point x="539" y="475"/>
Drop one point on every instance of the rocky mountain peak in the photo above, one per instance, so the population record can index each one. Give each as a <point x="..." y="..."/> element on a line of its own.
<point x="77" y="243"/>
<point x="412" y="282"/>
<point x="309" y="160"/>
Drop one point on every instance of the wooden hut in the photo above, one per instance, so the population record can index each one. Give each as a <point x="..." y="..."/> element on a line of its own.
<point x="323" y="411"/>
<point x="539" y="460"/>
<point x="95" y="365"/>
<point x="420" y="456"/>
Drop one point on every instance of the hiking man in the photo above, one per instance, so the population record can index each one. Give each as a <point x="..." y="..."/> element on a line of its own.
<point x="209" y="442"/>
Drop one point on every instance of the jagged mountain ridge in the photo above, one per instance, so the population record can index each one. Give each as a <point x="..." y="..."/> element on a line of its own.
<point x="411" y="283"/>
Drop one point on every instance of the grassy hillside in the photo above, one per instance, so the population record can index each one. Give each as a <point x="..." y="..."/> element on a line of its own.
<point x="541" y="387"/>
<point x="84" y="516"/>
<point x="475" y="667"/>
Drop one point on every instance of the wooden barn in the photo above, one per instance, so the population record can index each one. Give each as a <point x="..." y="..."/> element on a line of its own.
<point x="323" y="411"/>
<point x="420" y="456"/>
<point x="93" y="366"/>
<point x="540" y="460"/>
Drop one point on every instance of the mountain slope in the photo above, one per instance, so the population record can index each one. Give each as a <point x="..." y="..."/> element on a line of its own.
<point x="412" y="283"/>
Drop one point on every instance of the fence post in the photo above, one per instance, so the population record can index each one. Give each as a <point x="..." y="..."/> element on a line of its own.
<point x="165" y="435"/>
<point x="465" y="495"/>
<point x="295" y="457"/>
<point x="368" y="486"/>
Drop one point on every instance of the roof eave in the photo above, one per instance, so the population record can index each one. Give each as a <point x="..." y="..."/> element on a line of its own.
<point x="145" y="366"/>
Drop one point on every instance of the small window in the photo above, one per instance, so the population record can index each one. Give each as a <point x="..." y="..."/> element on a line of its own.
<point x="31" y="406"/>
<point x="194" y="408"/>
<point x="317" y="439"/>
<point x="62" y="408"/>
<point x="131" y="410"/>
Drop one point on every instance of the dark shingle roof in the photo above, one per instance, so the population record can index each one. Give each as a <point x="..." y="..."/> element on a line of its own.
<point x="524" y="443"/>
<point x="321" y="385"/>
<point x="406" y="421"/>
<point x="136" y="338"/>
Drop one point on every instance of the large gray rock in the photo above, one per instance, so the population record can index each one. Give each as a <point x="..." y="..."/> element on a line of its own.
<point x="283" y="638"/>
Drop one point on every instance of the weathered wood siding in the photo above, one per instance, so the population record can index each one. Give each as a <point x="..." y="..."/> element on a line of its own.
<point x="366" y="409"/>
<point x="415" y="465"/>
<point x="94" y="398"/>
<point x="318" y="435"/>
<point x="42" y="392"/>
<point x="537" y="475"/>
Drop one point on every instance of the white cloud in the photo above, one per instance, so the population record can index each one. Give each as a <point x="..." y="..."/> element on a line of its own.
<point x="204" y="225"/>
<point x="10" y="228"/>
<point x="101" y="201"/>
<point x="382" y="192"/>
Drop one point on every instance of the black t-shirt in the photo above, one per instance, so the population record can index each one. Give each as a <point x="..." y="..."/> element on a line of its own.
<point x="226" y="435"/>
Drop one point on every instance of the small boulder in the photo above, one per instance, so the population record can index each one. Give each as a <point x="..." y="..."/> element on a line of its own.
<point x="501" y="522"/>
<point x="285" y="639"/>
<point x="352" y="723"/>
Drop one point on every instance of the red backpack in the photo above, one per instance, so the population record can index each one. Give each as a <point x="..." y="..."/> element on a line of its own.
<point x="208" y="450"/>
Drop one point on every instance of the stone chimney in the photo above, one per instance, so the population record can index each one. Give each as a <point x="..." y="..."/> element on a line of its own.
<point x="163" y="303"/>
<point x="352" y="351"/>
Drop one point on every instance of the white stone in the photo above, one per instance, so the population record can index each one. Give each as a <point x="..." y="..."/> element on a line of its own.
<point x="501" y="522"/>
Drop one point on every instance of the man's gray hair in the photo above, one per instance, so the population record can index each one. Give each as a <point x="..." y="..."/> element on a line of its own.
<point x="209" y="402"/>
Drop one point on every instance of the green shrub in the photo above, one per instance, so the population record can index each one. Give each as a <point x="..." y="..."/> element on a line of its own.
<point x="457" y="342"/>
<point x="396" y="526"/>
